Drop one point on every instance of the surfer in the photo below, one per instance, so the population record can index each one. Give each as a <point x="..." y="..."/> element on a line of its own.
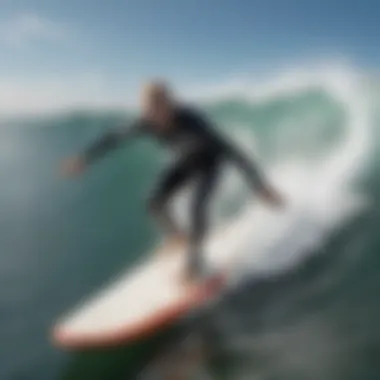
<point x="199" y="154"/>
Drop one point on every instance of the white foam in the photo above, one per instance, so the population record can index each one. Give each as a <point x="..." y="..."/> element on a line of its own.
<point x="320" y="196"/>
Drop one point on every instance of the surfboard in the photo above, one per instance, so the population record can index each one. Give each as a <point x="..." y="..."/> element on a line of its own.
<point x="147" y="298"/>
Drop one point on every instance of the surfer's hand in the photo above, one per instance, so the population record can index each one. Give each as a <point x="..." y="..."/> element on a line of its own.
<point x="272" y="197"/>
<point x="73" y="167"/>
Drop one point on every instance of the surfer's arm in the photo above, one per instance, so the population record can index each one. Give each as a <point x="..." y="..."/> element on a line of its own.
<point x="248" y="167"/>
<point x="76" y="165"/>
<point x="213" y="141"/>
<point x="110" y="141"/>
<point x="253" y="174"/>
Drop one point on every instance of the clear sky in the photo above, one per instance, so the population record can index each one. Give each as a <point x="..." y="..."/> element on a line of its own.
<point x="100" y="50"/>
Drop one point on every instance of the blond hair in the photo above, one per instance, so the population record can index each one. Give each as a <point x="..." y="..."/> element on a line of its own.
<point x="157" y="89"/>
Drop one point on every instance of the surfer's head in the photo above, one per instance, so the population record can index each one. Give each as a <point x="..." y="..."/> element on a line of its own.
<point x="157" y="102"/>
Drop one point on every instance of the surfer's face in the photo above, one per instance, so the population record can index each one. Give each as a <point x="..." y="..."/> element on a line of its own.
<point x="157" y="106"/>
<point x="158" y="111"/>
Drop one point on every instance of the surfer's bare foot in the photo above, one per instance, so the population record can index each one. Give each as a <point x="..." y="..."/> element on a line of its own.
<point x="189" y="278"/>
<point x="173" y="244"/>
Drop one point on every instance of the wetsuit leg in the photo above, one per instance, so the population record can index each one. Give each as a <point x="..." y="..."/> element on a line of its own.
<point x="205" y="186"/>
<point x="169" y="183"/>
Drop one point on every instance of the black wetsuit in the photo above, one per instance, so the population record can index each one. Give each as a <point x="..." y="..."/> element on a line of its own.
<point x="200" y="152"/>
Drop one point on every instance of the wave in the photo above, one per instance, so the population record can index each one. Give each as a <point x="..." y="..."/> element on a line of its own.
<point x="314" y="132"/>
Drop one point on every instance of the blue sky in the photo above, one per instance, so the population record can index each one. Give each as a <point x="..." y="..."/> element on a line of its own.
<point x="100" y="50"/>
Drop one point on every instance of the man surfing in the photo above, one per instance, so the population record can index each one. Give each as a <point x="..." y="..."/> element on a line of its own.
<point x="199" y="155"/>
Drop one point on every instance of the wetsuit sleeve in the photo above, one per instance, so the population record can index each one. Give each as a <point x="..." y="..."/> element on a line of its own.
<point x="247" y="166"/>
<point x="112" y="140"/>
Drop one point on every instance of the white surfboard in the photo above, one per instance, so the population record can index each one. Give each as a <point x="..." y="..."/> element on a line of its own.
<point x="148" y="297"/>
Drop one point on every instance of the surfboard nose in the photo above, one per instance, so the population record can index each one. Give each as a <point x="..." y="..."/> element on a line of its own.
<point x="78" y="332"/>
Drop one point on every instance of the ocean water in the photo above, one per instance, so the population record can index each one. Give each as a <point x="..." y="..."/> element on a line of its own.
<point x="305" y="301"/>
